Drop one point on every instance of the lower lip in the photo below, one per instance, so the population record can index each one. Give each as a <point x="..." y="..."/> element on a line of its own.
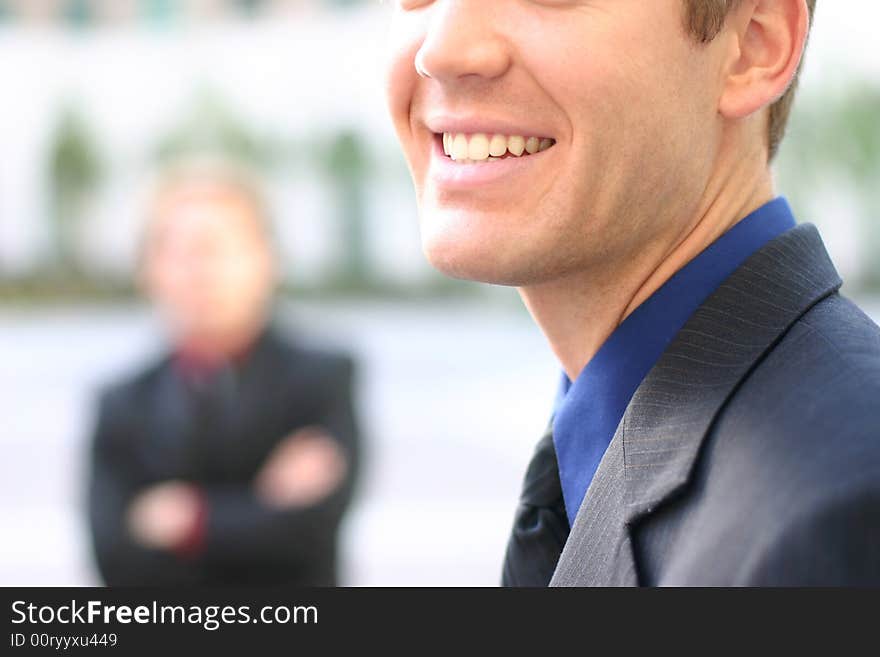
<point x="447" y="173"/>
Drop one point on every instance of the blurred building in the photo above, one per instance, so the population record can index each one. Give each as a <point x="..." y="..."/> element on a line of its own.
<point x="86" y="12"/>
<point x="91" y="112"/>
<point x="98" y="92"/>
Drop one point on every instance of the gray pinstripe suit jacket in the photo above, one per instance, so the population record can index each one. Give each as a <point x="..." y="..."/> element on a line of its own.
<point x="750" y="453"/>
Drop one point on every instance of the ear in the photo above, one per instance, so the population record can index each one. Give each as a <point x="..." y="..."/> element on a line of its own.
<point x="769" y="37"/>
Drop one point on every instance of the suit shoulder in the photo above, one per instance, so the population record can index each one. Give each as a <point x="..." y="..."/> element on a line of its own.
<point x="807" y="415"/>
<point x="830" y="359"/>
<point x="131" y="385"/>
<point x="847" y="329"/>
<point x="840" y="359"/>
<point x="316" y="361"/>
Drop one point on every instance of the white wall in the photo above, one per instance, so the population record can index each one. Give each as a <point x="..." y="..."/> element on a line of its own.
<point x="302" y="76"/>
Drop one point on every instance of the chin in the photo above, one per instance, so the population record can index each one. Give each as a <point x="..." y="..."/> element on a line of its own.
<point x="467" y="257"/>
<point x="498" y="246"/>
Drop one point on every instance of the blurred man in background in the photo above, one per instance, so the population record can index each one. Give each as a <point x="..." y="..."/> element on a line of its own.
<point x="232" y="459"/>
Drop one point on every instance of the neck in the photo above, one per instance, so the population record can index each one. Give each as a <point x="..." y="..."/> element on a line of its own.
<point x="579" y="312"/>
<point x="217" y="348"/>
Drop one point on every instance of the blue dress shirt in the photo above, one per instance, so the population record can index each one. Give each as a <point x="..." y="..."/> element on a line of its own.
<point x="588" y="411"/>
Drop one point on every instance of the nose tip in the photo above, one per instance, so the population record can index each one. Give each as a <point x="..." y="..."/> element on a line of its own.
<point x="461" y="42"/>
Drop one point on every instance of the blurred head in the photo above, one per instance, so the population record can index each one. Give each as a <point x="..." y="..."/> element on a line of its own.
<point x="207" y="257"/>
<point x="550" y="137"/>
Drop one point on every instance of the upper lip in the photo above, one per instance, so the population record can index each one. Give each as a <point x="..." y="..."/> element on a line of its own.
<point x="471" y="125"/>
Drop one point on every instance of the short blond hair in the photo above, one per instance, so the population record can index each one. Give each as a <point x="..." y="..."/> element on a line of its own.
<point x="210" y="172"/>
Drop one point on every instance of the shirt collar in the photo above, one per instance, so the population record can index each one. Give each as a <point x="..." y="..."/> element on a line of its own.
<point x="588" y="410"/>
<point x="196" y="363"/>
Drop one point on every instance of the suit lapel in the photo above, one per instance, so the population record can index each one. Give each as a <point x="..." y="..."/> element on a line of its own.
<point x="598" y="550"/>
<point x="652" y="455"/>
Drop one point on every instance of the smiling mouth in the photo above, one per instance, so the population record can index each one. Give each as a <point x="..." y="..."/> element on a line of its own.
<point x="479" y="148"/>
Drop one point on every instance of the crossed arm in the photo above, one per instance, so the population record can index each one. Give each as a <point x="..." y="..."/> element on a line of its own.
<point x="288" y="513"/>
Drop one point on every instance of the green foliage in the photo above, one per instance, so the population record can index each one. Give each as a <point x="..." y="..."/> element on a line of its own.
<point x="833" y="142"/>
<point x="160" y="12"/>
<point x="212" y="127"/>
<point x="75" y="170"/>
<point x="835" y="135"/>
<point x="346" y="165"/>
<point x="78" y="13"/>
<point x="346" y="156"/>
<point x="343" y="3"/>
<point x="74" y="162"/>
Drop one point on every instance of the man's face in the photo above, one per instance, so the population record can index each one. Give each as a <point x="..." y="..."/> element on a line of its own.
<point x="207" y="263"/>
<point x="618" y="99"/>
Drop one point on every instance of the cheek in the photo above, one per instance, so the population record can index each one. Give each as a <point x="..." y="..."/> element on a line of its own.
<point x="401" y="78"/>
<point x="612" y="71"/>
<point x="631" y="116"/>
<point x="242" y="284"/>
<point x="168" y="284"/>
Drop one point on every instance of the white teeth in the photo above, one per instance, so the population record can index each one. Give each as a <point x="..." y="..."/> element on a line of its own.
<point x="516" y="145"/>
<point x="498" y="145"/>
<point x="481" y="147"/>
<point x="478" y="149"/>
<point x="460" y="147"/>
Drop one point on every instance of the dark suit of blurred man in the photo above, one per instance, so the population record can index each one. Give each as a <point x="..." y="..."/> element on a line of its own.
<point x="232" y="459"/>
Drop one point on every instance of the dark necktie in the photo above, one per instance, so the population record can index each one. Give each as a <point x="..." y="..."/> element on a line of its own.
<point x="212" y="404"/>
<point x="540" y="527"/>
